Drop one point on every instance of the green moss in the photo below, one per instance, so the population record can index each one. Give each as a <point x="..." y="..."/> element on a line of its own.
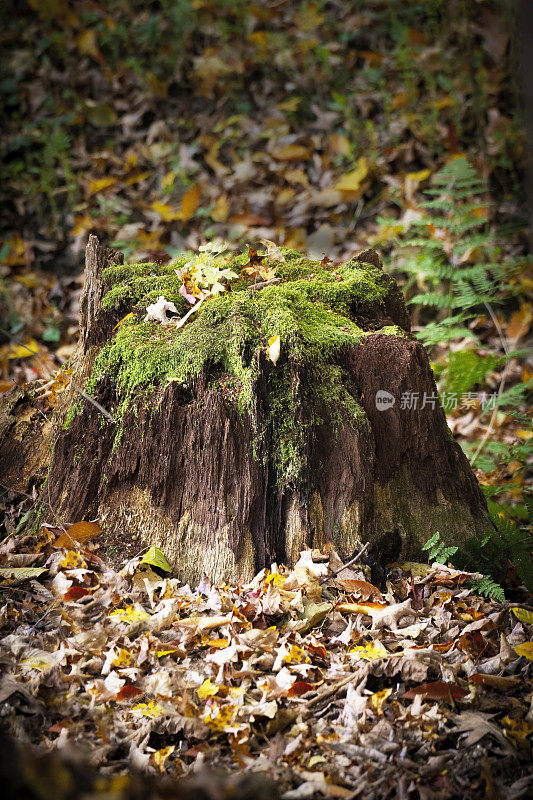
<point x="313" y="311"/>
<point x="141" y="284"/>
<point x="391" y="330"/>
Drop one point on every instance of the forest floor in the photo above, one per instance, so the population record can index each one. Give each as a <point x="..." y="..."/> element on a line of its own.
<point x="293" y="685"/>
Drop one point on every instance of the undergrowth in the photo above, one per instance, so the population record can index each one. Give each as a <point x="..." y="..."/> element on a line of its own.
<point x="504" y="547"/>
<point x="451" y="259"/>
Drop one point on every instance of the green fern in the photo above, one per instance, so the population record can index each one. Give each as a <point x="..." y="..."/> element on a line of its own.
<point x="432" y="253"/>
<point x="506" y="543"/>
<point x="438" y="552"/>
<point x="437" y="549"/>
<point x="489" y="588"/>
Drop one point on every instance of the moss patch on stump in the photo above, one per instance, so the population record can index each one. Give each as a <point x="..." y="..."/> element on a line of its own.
<point x="316" y="311"/>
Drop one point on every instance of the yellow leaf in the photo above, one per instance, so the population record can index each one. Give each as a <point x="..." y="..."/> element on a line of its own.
<point x="100" y="184"/>
<point x="296" y="176"/>
<point x="219" y="644"/>
<point x="526" y="435"/>
<point x="276" y="579"/>
<point x="30" y="279"/>
<point x="340" y="144"/>
<point x="351" y="181"/>
<point x="378" y="698"/>
<point x="86" y="43"/>
<point x="130" y="614"/>
<point x="523" y="615"/>
<point x="165" y="211"/>
<point x="416" y="568"/>
<point x="207" y="689"/>
<point x="369" y="651"/>
<point x="444" y="102"/>
<point x="274" y="349"/>
<point x="150" y="709"/>
<point x="220" y="718"/>
<point x="518" y="731"/>
<point x="220" y="212"/>
<point x="161" y="653"/>
<point x="525" y="649"/>
<point x="123" y="658"/>
<point x="161" y="756"/>
<point x="26" y="350"/>
<point x="168" y="180"/>
<point x="292" y="152"/>
<point x="285" y="196"/>
<point x="72" y="560"/>
<point x="82" y="224"/>
<point x="17" y="252"/>
<point x="136" y="177"/>
<point x="123" y="320"/>
<point x="189" y="203"/>
<point x="296" y="655"/>
<point x="156" y="558"/>
<point x="419" y="176"/>
<point x="291" y="104"/>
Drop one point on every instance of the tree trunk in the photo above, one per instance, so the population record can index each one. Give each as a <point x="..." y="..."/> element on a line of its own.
<point x="229" y="462"/>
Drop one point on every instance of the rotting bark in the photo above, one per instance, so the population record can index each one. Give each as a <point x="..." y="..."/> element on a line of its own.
<point x="195" y="475"/>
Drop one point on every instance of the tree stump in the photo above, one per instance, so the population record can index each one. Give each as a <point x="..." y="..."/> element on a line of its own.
<point x="228" y="461"/>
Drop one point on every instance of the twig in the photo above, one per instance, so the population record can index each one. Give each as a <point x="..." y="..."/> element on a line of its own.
<point x="494" y="414"/>
<point x="344" y="566"/>
<point x="255" y="287"/>
<point x="331" y="692"/>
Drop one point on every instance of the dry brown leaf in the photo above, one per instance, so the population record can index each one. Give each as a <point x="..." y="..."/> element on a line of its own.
<point x="78" y="533"/>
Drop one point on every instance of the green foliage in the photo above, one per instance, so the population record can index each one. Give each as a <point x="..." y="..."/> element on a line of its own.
<point x="437" y="250"/>
<point x="489" y="588"/>
<point x="466" y="368"/>
<point x="438" y="551"/>
<point x="506" y="543"/>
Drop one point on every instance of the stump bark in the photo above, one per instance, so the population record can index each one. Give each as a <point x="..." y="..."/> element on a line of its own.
<point x="229" y="462"/>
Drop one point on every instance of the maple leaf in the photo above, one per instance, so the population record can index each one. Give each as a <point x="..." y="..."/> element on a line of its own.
<point x="254" y="264"/>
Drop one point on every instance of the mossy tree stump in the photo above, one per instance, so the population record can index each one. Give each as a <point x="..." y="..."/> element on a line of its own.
<point x="228" y="461"/>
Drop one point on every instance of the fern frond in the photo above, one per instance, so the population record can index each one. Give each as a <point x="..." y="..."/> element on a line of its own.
<point x="489" y="588"/>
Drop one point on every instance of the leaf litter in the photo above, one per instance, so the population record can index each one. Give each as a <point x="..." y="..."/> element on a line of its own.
<point x="327" y="686"/>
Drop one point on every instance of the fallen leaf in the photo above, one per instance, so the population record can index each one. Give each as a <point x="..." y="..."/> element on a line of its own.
<point x="274" y="349"/>
<point x="437" y="690"/>
<point x="351" y="181"/>
<point x="292" y="152"/>
<point x="20" y="573"/>
<point x="525" y="649"/>
<point x="370" y="651"/>
<point x="79" y="533"/>
<point x="156" y="558"/>
<point x="189" y="203"/>
<point x="523" y="615"/>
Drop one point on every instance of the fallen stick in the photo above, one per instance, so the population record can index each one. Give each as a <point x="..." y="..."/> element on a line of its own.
<point x="344" y="566"/>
